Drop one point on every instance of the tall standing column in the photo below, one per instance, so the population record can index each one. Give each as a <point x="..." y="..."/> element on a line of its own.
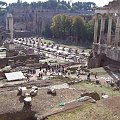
<point x="11" y="27"/>
<point x="109" y="30"/>
<point x="35" y="22"/>
<point x="117" y="31"/>
<point x="101" y="37"/>
<point x="39" y="44"/>
<point x="6" y="23"/>
<point x="96" y="28"/>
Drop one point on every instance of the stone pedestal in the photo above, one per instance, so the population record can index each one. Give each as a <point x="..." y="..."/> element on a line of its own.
<point x="11" y="46"/>
<point x="11" y="62"/>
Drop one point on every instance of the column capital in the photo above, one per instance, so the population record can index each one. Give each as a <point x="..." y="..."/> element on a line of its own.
<point x="110" y="14"/>
<point x="103" y="16"/>
<point x="96" y="16"/>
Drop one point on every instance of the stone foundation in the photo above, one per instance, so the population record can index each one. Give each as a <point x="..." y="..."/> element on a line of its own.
<point x="103" y="55"/>
<point x="19" y="59"/>
<point x="110" y="52"/>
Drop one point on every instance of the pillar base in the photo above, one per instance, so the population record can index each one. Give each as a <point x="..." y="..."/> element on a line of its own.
<point x="11" y="46"/>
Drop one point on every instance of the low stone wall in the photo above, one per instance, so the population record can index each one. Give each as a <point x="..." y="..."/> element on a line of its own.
<point x="98" y="60"/>
<point x="111" y="52"/>
<point x="19" y="59"/>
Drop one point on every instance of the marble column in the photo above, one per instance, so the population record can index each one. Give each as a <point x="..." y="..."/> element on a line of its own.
<point x="6" y="23"/>
<point x="96" y="28"/>
<point x="39" y="43"/>
<point x="109" y="30"/>
<point x="11" y="26"/>
<point x="101" y="37"/>
<point x="117" y="31"/>
<point x="35" y="22"/>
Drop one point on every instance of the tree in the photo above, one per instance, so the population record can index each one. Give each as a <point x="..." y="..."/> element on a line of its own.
<point x="78" y="28"/>
<point x="88" y="6"/>
<point x="48" y="31"/>
<point x="89" y="31"/>
<point x="39" y="4"/>
<point x="33" y="4"/>
<point x="62" y="7"/>
<point x="52" y="4"/>
<point x="3" y="9"/>
<point x="61" y="25"/>
<point x="2" y="4"/>
<point x="25" y="4"/>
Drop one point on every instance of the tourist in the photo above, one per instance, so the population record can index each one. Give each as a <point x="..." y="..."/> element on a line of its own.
<point x="39" y="74"/>
<point x="45" y="72"/>
<point x="88" y="76"/>
<point x="96" y="75"/>
<point x="40" y="68"/>
<point x="83" y="51"/>
<point x="69" y="72"/>
<point x="28" y="78"/>
<point x="78" y="74"/>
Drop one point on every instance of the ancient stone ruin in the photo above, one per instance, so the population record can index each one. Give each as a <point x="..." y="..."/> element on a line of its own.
<point x="106" y="46"/>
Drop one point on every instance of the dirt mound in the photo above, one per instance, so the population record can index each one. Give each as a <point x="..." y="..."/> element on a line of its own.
<point x="94" y="95"/>
<point x="113" y="104"/>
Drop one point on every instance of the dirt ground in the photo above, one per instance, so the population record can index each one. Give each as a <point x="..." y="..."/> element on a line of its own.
<point x="42" y="103"/>
<point x="113" y="104"/>
<point x="107" y="109"/>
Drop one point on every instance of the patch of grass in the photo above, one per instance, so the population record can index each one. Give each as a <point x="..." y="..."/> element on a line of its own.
<point x="100" y="71"/>
<point x="99" y="89"/>
<point x="66" y="45"/>
<point x="48" y="41"/>
<point x="63" y="79"/>
<point x="85" y="112"/>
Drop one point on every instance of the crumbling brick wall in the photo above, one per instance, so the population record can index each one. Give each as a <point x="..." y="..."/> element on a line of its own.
<point x="19" y="59"/>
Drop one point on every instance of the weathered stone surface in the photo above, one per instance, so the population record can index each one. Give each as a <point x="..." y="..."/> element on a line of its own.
<point x="107" y="44"/>
<point x="103" y="55"/>
<point x="93" y="95"/>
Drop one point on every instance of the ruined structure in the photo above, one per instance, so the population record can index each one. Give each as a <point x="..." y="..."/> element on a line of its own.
<point x="9" y="28"/>
<point x="9" y="25"/>
<point x="29" y="20"/>
<point x="106" y="46"/>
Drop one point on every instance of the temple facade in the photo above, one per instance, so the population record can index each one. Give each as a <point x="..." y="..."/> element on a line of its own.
<point x="106" y="45"/>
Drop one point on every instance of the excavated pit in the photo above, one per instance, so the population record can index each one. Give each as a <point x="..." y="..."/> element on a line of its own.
<point x="22" y="115"/>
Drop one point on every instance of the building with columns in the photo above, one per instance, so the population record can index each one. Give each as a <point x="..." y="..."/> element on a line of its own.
<point x="106" y="45"/>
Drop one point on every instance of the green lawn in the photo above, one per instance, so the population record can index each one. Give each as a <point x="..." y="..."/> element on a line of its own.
<point x="98" y="88"/>
<point x="65" y="45"/>
<point x="100" y="71"/>
<point x="48" y="41"/>
<point x="85" y="112"/>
